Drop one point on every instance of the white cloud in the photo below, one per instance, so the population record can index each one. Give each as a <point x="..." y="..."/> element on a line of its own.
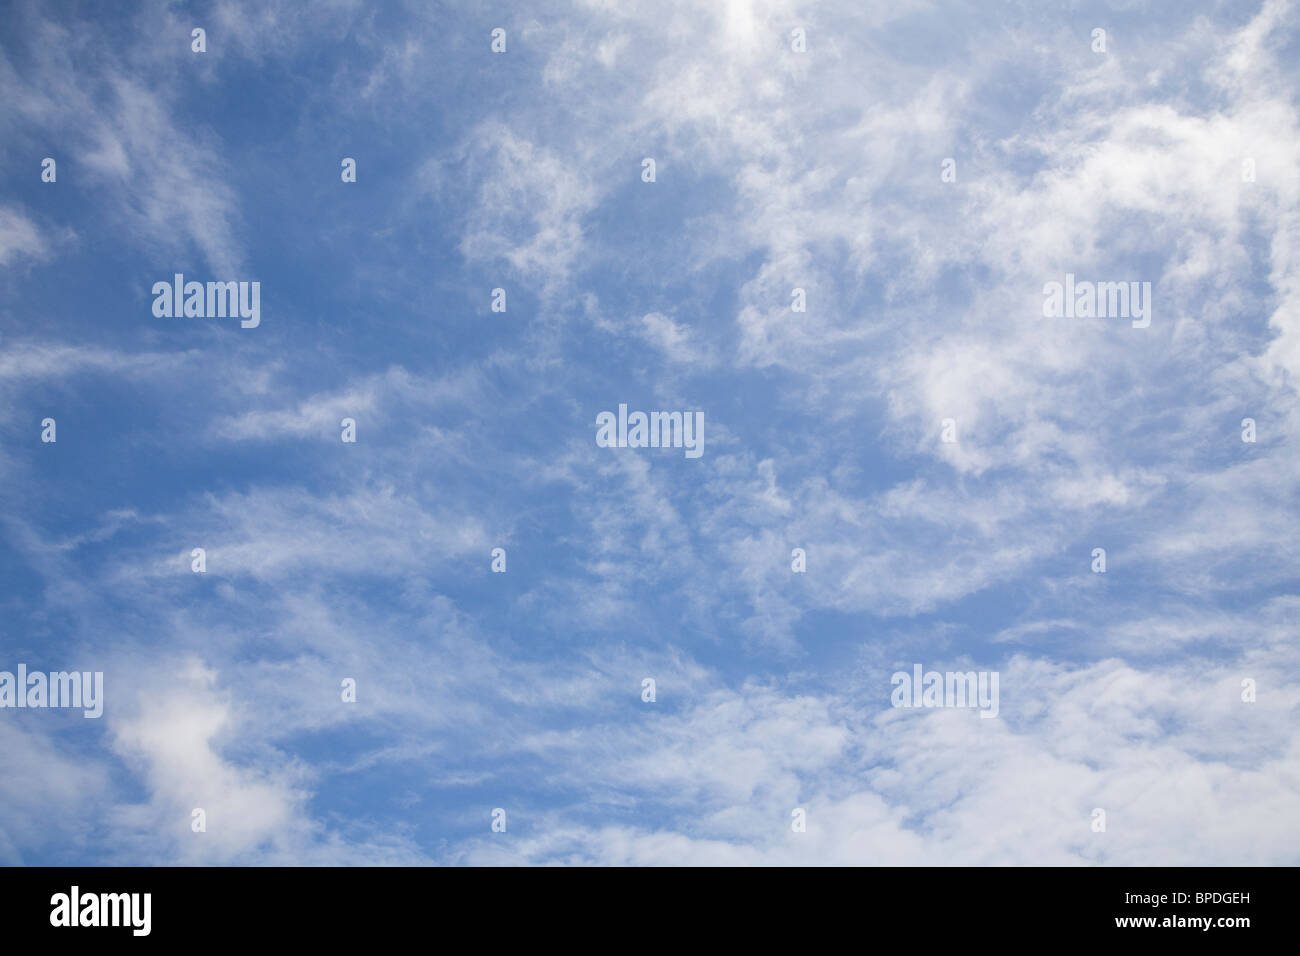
<point x="19" y="237"/>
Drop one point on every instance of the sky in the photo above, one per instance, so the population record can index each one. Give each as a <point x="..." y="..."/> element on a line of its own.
<point x="796" y="145"/>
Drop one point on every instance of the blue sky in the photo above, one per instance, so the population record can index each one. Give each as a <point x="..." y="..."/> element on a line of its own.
<point x="775" y="170"/>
